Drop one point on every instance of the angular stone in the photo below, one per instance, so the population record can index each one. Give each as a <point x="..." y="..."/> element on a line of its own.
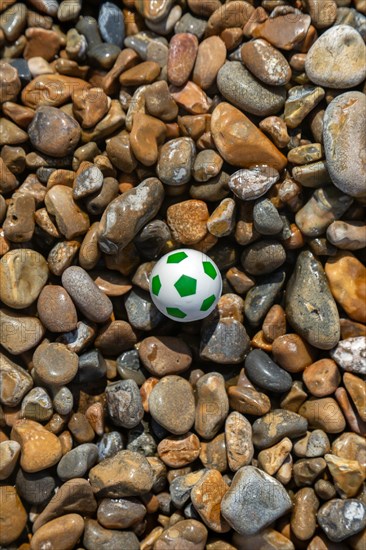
<point x="324" y="414"/>
<point x="164" y="355"/>
<point x="240" y="142"/>
<point x="348" y="475"/>
<point x="212" y="484"/>
<point x="124" y="403"/>
<point x="190" y="534"/>
<point x="71" y="221"/>
<point x="13" y="516"/>
<point x="15" y="382"/>
<point x="77" y="462"/>
<point x="228" y="331"/>
<point x="254" y="501"/>
<point x="40" y="449"/>
<point x="9" y="454"/>
<point x="176" y="159"/>
<point x="350" y="355"/>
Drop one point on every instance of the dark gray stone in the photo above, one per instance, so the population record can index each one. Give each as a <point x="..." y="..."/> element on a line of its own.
<point x="95" y="536"/>
<point x="267" y="220"/>
<point x="141" y="311"/>
<point x="264" y="372"/>
<point x="152" y="238"/>
<point x="262" y="296"/>
<point x="78" y="461"/>
<point x="140" y="441"/>
<point x="111" y="24"/>
<point x="263" y="257"/>
<point x="35" y="488"/>
<point x="224" y="341"/>
<point x="92" y="366"/>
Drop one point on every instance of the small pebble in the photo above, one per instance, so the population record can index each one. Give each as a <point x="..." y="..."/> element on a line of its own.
<point x="170" y="395"/>
<point x="340" y="519"/>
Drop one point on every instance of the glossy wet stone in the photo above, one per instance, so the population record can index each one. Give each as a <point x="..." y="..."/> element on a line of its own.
<point x="209" y="509"/>
<point x="40" y="449"/>
<point x="172" y="394"/>
<point x="176" y="160"/>
<point x="71" y="221"/>
<point x="266" y="63"/>
<point x="231" y="129"/>
<point x="50" y="122"/>
<point x="266" y="500"/>
<point x="125" y="474"/>
<point x="37" y="405"/>
<point x="13" y="516"/>
<point x="178" y="451"/>
<point x="95" y="535"/>
<point x="283" y="31"/>
<point x="65" y="531"/>
<point x="111" y="24"/>
<point x="9" y="454"/>
<point x="141" y="311"/>
<point x="138" y="205"/>
<point x="15" y="382"/>
<point x="277" y="424"/>
<point x="265" y="373"/>
<point x="120" y="513"/>
<point x="164" y="355"/>
<point x="300" y="102"/>
<point x="310" y="307"/>
<point x="212" y="405"/>
<point x="182" y="55"/>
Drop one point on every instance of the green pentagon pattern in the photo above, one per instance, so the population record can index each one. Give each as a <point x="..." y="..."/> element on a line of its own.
<point x="209" y="269"/>
<point x="156" y="285"/>
<point x="176" y="258"/>
<point x="207" y="303"/>
<point x="186" y="286"/>
<point x="176" y="312"/>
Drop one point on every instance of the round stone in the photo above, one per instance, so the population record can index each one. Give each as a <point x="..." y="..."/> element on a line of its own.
<point x="19" y="333"/>
<point x="54" y="364"/>
<point x="336" y="59"/>
<point x="23" y="274"/>
<point x="56" y="309"/>
<point x="54" y="132"/>
<point x="171" y="404"/>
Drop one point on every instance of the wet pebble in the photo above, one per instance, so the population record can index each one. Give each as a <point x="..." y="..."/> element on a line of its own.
<point x="111" y="24"/>
<point x="124" y="403"/>
<point x="340" y="519"/>
<point x="277" y="424"/>
<point x="50" y="122"/>
<point x="265" y="373"/>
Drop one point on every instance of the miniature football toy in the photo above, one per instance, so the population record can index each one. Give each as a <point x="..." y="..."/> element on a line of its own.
<point x="185" y="285"/>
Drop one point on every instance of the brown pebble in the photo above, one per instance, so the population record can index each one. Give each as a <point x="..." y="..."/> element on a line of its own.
<point x="65" y="86"/>
<point x="212" y="405"/>
<point x="348" y="475"/>
<point x="274" y="324"/>
<point x="41" y="43"/>
<point x="19" y="332"/>
<point x="188" y="221"/>
<point x="10" y="84"/>
<point x="147" y="134"/>
<point x="292" y="353"/>
<point x="211" y="56"/>
<point x="213" y="453"/>
<point x="90" y="106"/>
<point x="303" y="519"/>
<point x="40" y="449"/>
<point x="238" y="437"/>
<point x="56" y="309"/>
<point x="80" y="428"/>
<point x="13" y="515"/>
<point x="356" y="387"/>
<point x="54" y="364"/>
<point x="115" y="337"/>
<point x="183" y="49"/>
<point x="164" y="355"/>
<point x="271" y="459"/>
<point x="141" y="74"/>
<point x="63" y="532"/>
<point x="324" y="414"/>
<point x="190" y="534"/>
<point x="213" y="484"/>
<point x="71" y="221"/>
<point x="179" y="451"/>
<point x="192" y="98"/>
<point x="23" y="274"/>
<point x="322" y="378"/>
<point x="265" y="62"/>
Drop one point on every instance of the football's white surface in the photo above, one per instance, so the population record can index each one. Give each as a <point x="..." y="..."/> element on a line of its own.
<point x="185" y="285"/>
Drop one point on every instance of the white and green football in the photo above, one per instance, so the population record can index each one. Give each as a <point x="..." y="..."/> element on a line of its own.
<point x="185" y="285"/>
